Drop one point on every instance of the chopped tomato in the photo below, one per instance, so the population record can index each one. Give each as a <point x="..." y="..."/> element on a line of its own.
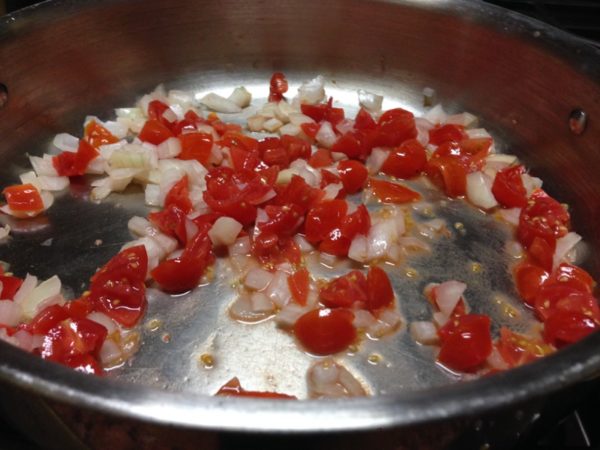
<point x="542" y="252"/>
<point x="283" y="221"/>
<point x="466" y="342"/>
<point x="179" y="195"/>
<point x="184" y="273"/>
<point x="98" y="135"/>
<point x="405" y="161"/>
<point x="47" y="319"/>
<point x="323" y="219"/>
<point x="529" y="279"/>
<point x="84" y="364"/>
<point x="567" y="327"/>
<point x="23" y="197"/>
<point x="364" y="120"/>
<point x="552" y="298"/>
<point x="359" y="222"/>
<point x="321" y="158"/>
<point x="508" y="187"/>
<point x="171" y="221"/>
<point x="389" y="192"/>
<point x="449" y="174"/>
<point x="572" y="276"/>
<point x="155" y="132"/>
<point x="323" y="111"/>
<point x="196" y="146"/>
<point x="297" y="192"/>
<point x="70" y="164"/>
<point x="299" y="283"/>
<point x="445" y="133"/>
<point x="235" y="389"/>
<point x="325" y="331"/>
<point x="10" y="285"/>
<point x="79" y="308"/>
<point x="156" y="111"/>
<point x="346" y="291"/>
<point x="394" y="127"/>
<point x="517" y="349"/>
<point x="351" y="144"/>
<point x="379" y="289"/>
<point x="310" y="129"/>
<point x="543" y="217"/>
<point x="353" y="174"/>
<point x="278" y="87"/>
<point x="118" y="288"/>
<point x="72" y="338"/>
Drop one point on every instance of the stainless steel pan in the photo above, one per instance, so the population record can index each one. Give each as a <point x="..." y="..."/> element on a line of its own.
<point x="62" y="60"/>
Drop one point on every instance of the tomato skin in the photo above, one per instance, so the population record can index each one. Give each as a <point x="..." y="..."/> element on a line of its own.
<point x="70" y="164"/>
<point x="47" y="319"/>
<point x="171" y="221"/>
<point x="359" y="222"/>
<point x="542" y="252"/>
<point x="79" y="308"/>
<point x="508" y="188"/>
<point x="283" y="221"/>
<point x="405" y="161"/>
<point x="131" y="262"/>
<point x="10" y="286"/>
<point x="325" y="331"/>
<point x="73" y="338"/>
<point x="517" y="349"/>
<point x="563" y="327"/>
<point x="529" y="279"/>
<point x="379" y="289"/>
<point x="323" y="111"/>
<point x="310" y="129"/>
<point x="98" y="135"/>
<point x="444" y="133"/>
<point x="555" y="297"/>
<point x="196" y="146"/>
<point x="364" y="120"/>
<point x="448" y="173"/>
<point x="466" y="342"/>
<point x="324" y="218"/>
<point x="350" y="144"/>
<point x="23" y="197"/>
<point x="543" y="217"/>
<point x="321" y="158"/>
<point x="278" y="87"/>
<point x="233" y="388"/>
<point x="84" y="364"/>
<point x="572" y="276"/>
<point x="155" y="132"/>
<point x="345" y="291"/>
<point x="299" y="283"/>
<point x="389" y="192"/>
<point x="394" y="127"/>
<point x="298" y="192"/>
<point x="179" y="195"/>
<point x="353" y="174"/>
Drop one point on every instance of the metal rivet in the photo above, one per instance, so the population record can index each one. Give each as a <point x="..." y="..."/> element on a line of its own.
<point x="577" y="121"/>
<point x="3" y="95"/>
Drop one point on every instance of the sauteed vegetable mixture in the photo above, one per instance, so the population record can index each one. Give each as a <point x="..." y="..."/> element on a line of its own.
<point x="299" y="179"/>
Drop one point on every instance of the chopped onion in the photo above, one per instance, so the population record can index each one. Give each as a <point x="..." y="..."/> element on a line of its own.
<point x="152" y="195"/>
<point x="220" y="104"/>
<point x="303" y="244"/>
<point x="332" y="191"/>
<point x="103" y="320"/>
<point x="243" y="309"/>
<point x="326" y="137"/>
<point x="345" y="126"/>
<point x="363" y="319"/>
<point x="278" y="290"/>
<point x="465" y="119"/>
<point x="448" y="294"/>
<point x="312" y="91"/>
<point x="424" y="332"/>
<point x="423" y="126"/>
<point x="224" y="231"/>
<point x="10" y="313"/>
<point x="359" y="250"/>
<point x="436" y="115"/>
<point x="496" y="361"/>
<point x="299" y="118"/>
<point x="241" y="97"/>
<point x="369" y="101"/>
<point x="25" y="340"/>
<point x="328" y="259"/>
<point x="511" y="215"/>
<point x="4" y="233"/>
<point x="289" y="314"/>
<point x="290" y="129"/>
<point x="479" y="190"/>
<point x="530" y="183"/>
<point x="258" y="279"/>
<point x="66" y="142"/>
<point x="110" y="353"/>
<point x="440" y="319"/>
<point x="169" y="148"/>
<point x="29" y="284"/>
<point x="499" y="161"/>
<point x="255" y="123"/>
<point x="272" y="125"/>
<point x="240" y="247"/>
<point x="376" y="159"/>
<point x="328" y="379"/>
<point x="514" y="249"/>
<point x="477" y="133"/>
<point x="283" y="110"/>
<point x="43" y="166"/>
<point x="30" y="302"/>
<point x="563" y="247"/>
<point x="260" y="303"/>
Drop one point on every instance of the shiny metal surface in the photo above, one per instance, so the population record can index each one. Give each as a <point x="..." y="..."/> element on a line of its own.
<point x="65" y="59"/>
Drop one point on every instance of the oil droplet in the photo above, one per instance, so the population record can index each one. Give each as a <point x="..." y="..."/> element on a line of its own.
<point x="352" y="349"/>
<point x="374" y="359"/>
<point x="153" y="324"/>
<point x="411" y="273"/>
<point x="476" y="267"/>
<point x="166" y="338"/>
<point x="207" y="360"/>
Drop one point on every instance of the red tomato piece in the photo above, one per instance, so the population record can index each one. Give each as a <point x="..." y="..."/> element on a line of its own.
<point x="73" y="338"/>
<point x="323" y="219"/>
<point x="529" y="279"/>
<point x="517" y="349"/>
<point x="364" y="120"/>
<point x="131" y="262"/>
<point x="297" y="192"/>
<point x="359" y="222"/>
<point x="235" y="389"/>
<point x="10" y="286"/>
<point x="405" y="161"/>
<point x="351" y="145"/>
<point x="379" y="289"/>
<point x="171" y="221"/>
<point x="278" y="87"/>
<point x="389" y="192"/>
<point x="508" y="187"/>
<point x="543" y="217"/>
<point x="321" y="158"/>
<point x="84" y="364"/>
<point x="299" y="283"/>
<point x="179" y="195"/>
<point x="353" y="174"/>
<point x="47" y="319"/>
<point x="310" y="129"/>
<point x="572" y="276"/>
<point x="156" y="111"/>
<point x="196" y="146"/>
<point x="98" y="135"/>
<point x="323" y="111"/>
<point x="394" y="127"/>
<point x="466" y="342"/>
<point x="155" y="132"/>
<point x="542" y="252"/>
<point x="325" y="331"/>
<point x="282" y="221"/>
<point x="23" y="197"/>
<point x="345" y="291"/>
<point x="555" y="297"/>
<point x="70" y="164"/>
<point x="567" y="327"/>
<point x="228" y="194"/>
<point x="445" y="133"/>
<point x="79" y="308"/>
<point x="448" y="173"/>
<point x="295" y="147"/>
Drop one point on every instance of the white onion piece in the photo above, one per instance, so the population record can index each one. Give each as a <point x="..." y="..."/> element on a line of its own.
<point x="332" y="191"/>
<point x="477" y="133"/>
<point x="359" y="249"/>
<point x="299" y="118"/>
<point x="152" y="195"/>
<point x="563" y="247"/>
<point x="30" y="303"/>
<point x="499" y="161"/>
<point x="479" y="190"/>
<point x="496" y="361"/>
<point x="345" y="126"/>
<point x="440" y="319"/>
<point x="283" y="110"/>
<point x="423" y="126"/>
<point x="110" y="353"/>
<point x="303" y="244"/>
<point x="424" y="332"/>
<point x="255" y="123"/>
<point x="448" y="294"/>
<point x="436" y="115"/>
<point x="220" y="104"/>
<point x="312" y="91"/>
<point x="328" y="259"/>
<point x="258" y="279"/>
<point x="241" y="97"/>
<point x="103" y="320"/>
<point x="278" y="289"/>
<point x="363" y="319"/>
<point x="27" y="287"/>
<point x="10" y="313"/>
<point x="240" y="247"/>
<point x="464" y="119"/>
<point x="530" y="183"/>
<point x="290" y="130"/>
<point x="388" y="321"/>
<point x="514" y="249"/>
<point x="261" y="303"/>
<point x="43" y="166"/>
<point x="4" y="233"/>
<point x="510" y="215"/>
<point x="25" y="341"/>
<point x="289" y="314"/>
<point x="66" y="142"/>
<point x="242" y="309"/>
<point x="326" y="137"/>
<point x="371" y="102"/>
<point x="141" y="226"/>
<point x="327" y="379"/>
<point x="169" y="148"/>
<point x="183" y="98"/>
<point x="376" y="159"/>
<point x="50" y="301"/>
<point x="272" y="125"/>
<point x="224" y="231"/>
